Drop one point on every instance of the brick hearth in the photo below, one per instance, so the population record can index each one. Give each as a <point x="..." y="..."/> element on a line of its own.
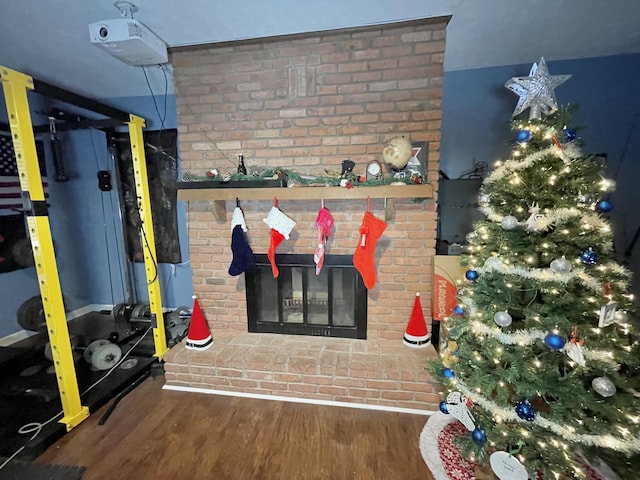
<point x="329" y="369"/>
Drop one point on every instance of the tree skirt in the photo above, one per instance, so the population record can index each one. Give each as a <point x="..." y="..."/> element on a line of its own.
<point x="446" y="463"/>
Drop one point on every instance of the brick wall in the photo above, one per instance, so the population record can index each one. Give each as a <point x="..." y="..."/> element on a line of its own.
<point x="306" y="103"/>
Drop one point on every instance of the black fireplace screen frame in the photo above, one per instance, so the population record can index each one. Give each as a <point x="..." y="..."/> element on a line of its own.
<point x="255" y="292"/>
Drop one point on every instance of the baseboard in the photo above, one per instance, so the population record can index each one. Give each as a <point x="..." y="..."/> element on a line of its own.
<point x="312" y="401"/>
<point x="15" y="337"/>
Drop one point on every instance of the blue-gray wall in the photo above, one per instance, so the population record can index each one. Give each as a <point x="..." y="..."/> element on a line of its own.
<point x="475" y="125"/>
<point x="86" y="225"/>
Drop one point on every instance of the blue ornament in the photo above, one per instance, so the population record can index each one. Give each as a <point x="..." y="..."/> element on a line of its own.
<point x="526" y="411"/>
<point x="443" y="408"/>
<point x="604" y="206"/>
<point x="458" y="310"/>
<point x="448" y="373"/>
<point x="589" y="256"/>
<point x="524" y="136"/>
<point x="569" y="134"/>
<point x="479" y="436"/>
<point x="471" y="275"/>
<point x="554" y="341"/>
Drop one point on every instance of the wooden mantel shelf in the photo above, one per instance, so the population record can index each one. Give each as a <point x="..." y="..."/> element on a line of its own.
<point x="306" y="193"/>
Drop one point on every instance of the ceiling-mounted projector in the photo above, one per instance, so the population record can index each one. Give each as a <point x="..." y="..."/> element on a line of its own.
<point x="129" y="41"/>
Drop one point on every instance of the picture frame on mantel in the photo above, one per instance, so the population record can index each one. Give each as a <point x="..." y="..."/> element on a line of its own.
<point x="417" y="163"/>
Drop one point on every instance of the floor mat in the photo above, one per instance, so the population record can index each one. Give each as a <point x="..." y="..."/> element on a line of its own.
<point x="19" y="470"/>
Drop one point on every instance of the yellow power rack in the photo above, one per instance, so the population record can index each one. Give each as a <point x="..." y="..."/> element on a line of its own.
<point x="15" y="86"/>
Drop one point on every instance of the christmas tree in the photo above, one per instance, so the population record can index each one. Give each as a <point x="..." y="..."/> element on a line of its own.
<point x="546" y="360"/>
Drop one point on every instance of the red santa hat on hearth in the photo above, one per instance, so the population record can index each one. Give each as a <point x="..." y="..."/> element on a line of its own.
<point x="199" y="336"/>
<point x="416" y="334"/>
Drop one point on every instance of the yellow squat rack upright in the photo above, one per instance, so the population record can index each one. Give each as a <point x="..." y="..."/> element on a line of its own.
<point x="15" y="87"/>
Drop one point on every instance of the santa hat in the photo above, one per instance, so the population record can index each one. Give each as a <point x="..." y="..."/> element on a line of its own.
<point x="199" y="336"/>
<point x="416" y="334"/>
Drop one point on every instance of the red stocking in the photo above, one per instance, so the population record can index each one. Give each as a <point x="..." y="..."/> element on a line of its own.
<point x="276" y="239"/>
<point x="370" y="231"/>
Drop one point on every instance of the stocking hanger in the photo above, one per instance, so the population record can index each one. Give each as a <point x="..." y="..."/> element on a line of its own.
<point x="275" y="202"/>
<point x="237" y="202"/>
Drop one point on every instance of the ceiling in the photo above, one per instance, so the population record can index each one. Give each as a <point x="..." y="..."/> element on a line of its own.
<point x="50" y="40"/>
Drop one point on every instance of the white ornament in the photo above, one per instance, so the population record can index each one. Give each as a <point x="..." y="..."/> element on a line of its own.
<point x="458" y="406"/>
<point x="607" y="315"/>
<point x="502" y="319"/>
<point x="484" y="200"/>
<point x="507" y="467"/>
<point x="561" y="265"/>
<point x="536" y="91"/>
<point x="574" y="352"/>
<point x="620" y="317"/>
<point x="537" y="222"/>
<point x="603" y="386"/>
<point x="509" y="222"/>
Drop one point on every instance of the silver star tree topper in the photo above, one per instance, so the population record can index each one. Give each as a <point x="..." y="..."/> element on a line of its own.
<point x="536" y="91"/>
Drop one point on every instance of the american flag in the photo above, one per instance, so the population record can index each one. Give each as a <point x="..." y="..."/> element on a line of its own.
<point x="10" y="193"/>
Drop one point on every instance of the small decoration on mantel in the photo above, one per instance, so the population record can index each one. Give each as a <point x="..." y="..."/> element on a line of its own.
<point x="396" y="153"/>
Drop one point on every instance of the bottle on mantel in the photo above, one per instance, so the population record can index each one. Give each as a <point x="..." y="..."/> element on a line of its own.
<point x="242" y="170"/>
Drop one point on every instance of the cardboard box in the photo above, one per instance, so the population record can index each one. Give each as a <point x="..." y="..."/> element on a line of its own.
<point x="448" y="273"/>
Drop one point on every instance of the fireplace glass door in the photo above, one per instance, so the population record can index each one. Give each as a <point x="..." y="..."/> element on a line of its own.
<point x="299" y="302"/>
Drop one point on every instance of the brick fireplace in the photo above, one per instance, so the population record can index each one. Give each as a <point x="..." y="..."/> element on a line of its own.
<point x="306" y="103"/>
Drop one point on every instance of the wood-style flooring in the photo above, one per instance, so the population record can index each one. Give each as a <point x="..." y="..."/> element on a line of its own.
<point x="162" y="434"/>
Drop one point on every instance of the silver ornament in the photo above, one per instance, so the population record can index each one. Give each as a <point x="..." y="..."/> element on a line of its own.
<point x="470" y="236"/>
<point x="603" y="386"/>
<point x="483" y="200"/>
<point x="509" y="222"/>
<point x="493" y="263"/>
<point x="620" y="316"/>
<point x="502" y="319"/>
<point x="586" y="199"/>
<point x="561" y="265"/>
<point x="536" y="91"/>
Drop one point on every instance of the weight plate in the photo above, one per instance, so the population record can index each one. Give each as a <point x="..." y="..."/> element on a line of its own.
<point x="106" y="356"/>
<point x="121" y="312"/>
<point x="22" y="253"/>
<point x="31" y="314"/>
<point x="30" y="371"/>
<point x="141" y="311"/>
<point x="48" y="354"/>
<point x="91" y="348"/>
<point x="184" y="313"/>
<point x="129" y="363"/>
<point x="171" y="319"/>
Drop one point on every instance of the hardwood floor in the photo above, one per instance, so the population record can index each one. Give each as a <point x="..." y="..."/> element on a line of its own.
<point x="161" y="434"/>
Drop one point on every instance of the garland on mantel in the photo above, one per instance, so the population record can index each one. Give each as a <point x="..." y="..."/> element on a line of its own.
<point x="293" y="178"/>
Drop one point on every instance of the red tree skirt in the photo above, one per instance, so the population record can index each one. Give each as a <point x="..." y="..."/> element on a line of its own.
<point x="445" y="462"/>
